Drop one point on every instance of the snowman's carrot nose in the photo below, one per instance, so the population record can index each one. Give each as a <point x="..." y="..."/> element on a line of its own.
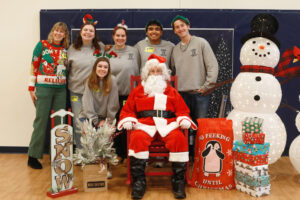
<point x="261" y="47"/>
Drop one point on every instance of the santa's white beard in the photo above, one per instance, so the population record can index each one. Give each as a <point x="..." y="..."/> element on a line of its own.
<point x="155" y="84"/>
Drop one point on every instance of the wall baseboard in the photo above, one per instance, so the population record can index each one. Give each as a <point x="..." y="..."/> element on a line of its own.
<point x="14" y="149"/>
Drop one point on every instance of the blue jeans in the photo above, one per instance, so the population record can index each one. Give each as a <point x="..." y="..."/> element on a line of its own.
<point x="198" y="106"/>
<point x="76" y="104"/>
<point x="120" y="142"/>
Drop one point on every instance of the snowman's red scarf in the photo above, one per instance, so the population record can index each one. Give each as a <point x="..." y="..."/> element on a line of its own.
<point x="257" y="68"/>
<point x="284" y="69"/>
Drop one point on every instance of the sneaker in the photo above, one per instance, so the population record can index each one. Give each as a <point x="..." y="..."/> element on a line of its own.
<point x="34" y="163"/>
<point x="109" y="174"/>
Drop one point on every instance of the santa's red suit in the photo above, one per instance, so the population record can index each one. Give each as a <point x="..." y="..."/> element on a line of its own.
<point x="144" y="128"/>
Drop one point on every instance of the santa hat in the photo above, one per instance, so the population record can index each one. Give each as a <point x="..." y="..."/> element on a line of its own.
<point x="155" y="60"/>
<point x="88" y="19"/>
<point x="263" y="25"/>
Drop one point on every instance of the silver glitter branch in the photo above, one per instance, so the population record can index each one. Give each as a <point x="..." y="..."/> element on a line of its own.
<point x="96" y="144"/>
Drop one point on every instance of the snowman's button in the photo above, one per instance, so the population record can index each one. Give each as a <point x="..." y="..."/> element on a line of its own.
<point x="256" y="97"/>
<point x="258" y="78"/>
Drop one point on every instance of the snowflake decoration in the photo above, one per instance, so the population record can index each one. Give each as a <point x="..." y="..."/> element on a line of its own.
<point x="229" y="152"/>
<point x="229" y="172"/>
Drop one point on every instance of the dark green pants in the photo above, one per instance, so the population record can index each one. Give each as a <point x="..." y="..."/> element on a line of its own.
<point x="47" y="99"/>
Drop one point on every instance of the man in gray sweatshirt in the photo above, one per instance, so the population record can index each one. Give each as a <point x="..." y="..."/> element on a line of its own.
<point x="153" y="44"/>
<point x="196" y="67"/>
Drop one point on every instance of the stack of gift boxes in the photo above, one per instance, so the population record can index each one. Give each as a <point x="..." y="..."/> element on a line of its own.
<point x="251" y="159"/>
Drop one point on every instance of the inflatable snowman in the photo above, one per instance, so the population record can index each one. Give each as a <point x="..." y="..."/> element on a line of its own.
<point x="256" y="92"/>
<point x="294" y="152"/>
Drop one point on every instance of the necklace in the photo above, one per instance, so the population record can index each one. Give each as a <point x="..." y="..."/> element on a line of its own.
<point x="183" y="47"/>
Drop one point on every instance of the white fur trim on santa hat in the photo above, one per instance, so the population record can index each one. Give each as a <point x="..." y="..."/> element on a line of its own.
<point x="127" y="119"/>
<point x="180" y="118"/>
<point x="179" y="157"/>
<point x="139" y="155"/>
<point x="152" y="63"/>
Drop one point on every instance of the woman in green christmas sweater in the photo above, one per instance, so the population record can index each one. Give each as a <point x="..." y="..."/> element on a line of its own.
<point x="47" y="86"/>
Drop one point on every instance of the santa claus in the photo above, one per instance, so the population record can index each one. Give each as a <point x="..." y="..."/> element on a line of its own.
<point x="154" y="107"/>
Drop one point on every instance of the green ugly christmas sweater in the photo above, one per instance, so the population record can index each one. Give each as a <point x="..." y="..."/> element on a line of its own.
<point x="48" y="66"/>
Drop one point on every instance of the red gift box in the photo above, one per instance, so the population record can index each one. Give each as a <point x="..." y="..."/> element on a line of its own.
<point x="254" y="138"/>
<point x="253" y="160"/>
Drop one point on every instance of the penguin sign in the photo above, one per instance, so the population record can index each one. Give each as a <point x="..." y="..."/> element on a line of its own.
<point x="212" y="158"/>
<point x="213" y="162"/>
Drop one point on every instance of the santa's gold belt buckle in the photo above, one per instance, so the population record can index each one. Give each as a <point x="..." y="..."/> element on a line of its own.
<point x="159" y="113"/>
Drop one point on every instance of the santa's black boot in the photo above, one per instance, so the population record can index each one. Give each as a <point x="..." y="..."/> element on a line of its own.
<point x="178" y="179"/>
<point x="137" y="170"/>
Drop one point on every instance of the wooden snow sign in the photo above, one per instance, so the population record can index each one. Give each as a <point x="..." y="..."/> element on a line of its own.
<point x="62" y="177"/>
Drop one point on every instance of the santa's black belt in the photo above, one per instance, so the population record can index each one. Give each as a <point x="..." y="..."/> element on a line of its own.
<point x="156" y="113"/>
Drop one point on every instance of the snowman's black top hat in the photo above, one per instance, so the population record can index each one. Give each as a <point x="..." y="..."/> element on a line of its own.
<point x="263" y="25"/>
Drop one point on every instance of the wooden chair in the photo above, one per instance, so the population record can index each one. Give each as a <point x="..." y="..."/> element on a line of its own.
<point x="157" y="147"/>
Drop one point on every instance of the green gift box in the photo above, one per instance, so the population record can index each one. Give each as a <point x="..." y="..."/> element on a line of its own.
<point x="252" y="125"/>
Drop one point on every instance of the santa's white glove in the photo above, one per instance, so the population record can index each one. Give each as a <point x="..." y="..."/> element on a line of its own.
<point x="127" y="125"/>
<point x="185" y="124"/>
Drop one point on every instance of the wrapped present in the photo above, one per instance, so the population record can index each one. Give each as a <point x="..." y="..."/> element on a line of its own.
<point x="253" y="171"/>
<point x="257" y="181"/>
<point x="253" y="191"/>
<point x="252" y="125"/>
<point x="253" y="149"/>
<point x="253" y="160"/>
<point x="254" y="138"/>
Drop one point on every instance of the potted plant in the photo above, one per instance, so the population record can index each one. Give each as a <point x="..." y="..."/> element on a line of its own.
<point x="96" y="151"/>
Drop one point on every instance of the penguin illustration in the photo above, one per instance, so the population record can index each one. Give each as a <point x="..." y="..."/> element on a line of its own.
<point x="212" y="158"/>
